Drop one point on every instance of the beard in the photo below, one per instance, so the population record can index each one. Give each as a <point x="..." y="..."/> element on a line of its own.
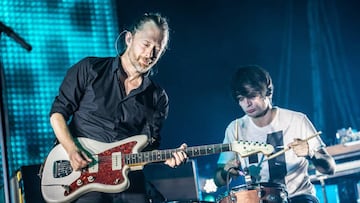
<point x="139" y="67"/>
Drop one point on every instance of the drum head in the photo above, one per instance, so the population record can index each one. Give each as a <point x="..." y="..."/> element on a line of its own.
<point x="239" y="188"/>
<point x="267" y="185"/>
<point x="255" y="193"/>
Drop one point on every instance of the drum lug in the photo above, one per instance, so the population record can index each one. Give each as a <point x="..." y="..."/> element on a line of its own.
<point x="261" y="193"/>
<point x="233" y="198"/>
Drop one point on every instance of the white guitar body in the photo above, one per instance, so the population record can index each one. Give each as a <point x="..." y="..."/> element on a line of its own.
<point x="105" y="176"/>
<point x="111" y="163"/>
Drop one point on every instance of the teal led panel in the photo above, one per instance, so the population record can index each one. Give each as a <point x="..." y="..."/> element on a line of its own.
<point x="61" y="33"/>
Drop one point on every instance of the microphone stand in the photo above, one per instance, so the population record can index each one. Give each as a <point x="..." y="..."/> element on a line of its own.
<point x="228" y="178"/>
<point x="3" y="137"/>
<point x="3" y="113"/>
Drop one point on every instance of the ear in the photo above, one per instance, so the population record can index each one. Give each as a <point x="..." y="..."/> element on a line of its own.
<point x="128" y="38"/>
<point x="269" y="91"/>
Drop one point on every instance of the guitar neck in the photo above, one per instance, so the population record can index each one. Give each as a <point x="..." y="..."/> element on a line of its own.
<point x="161" y="155"/>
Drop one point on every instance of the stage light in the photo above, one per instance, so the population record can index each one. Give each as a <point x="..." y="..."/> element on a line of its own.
<point x="60" y="34"/>
<point x="210" y="186"/>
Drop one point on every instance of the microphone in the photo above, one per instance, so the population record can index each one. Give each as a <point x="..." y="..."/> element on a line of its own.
<point x="9" y="32"/>
<point x="237" y="169"/>
<point x="228" y="179"/>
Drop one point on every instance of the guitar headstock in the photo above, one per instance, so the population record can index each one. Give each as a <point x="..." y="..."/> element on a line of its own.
<point x="246" y="148"/>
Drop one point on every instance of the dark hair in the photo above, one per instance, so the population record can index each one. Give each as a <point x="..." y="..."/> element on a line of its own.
<point x="157" y="18"/>
<point x="251" y="80"/>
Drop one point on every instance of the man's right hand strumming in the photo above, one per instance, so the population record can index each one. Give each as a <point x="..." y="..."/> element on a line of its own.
<point x="78" y="159"/>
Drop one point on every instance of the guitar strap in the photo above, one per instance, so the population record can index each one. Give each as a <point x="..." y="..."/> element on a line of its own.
<point x="237" y="136"/>
<point x="236" y="129"/>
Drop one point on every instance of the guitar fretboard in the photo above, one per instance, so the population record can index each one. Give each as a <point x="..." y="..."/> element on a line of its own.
<point x="162" y="155"/>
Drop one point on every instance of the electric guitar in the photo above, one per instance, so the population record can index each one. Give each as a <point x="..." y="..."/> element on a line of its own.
<point x="111" y="163"/>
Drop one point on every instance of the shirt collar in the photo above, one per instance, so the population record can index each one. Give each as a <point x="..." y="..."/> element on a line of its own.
<point x="117" y="66"/>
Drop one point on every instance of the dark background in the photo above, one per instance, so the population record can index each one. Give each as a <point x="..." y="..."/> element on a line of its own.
<point x="310" y="47"/>
<point x="210" y="39"/>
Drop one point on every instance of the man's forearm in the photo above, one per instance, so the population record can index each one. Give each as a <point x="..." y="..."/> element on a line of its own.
<point x="61" y="130"/>
<point x="323" y="162"/>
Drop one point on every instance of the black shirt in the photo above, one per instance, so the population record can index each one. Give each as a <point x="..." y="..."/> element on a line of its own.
<point x="93" y="98"/>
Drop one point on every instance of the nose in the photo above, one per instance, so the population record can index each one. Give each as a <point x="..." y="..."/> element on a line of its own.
<point x="150" y="52"/>
<point x="249" y="102"/>
<point x="246" y="102"/>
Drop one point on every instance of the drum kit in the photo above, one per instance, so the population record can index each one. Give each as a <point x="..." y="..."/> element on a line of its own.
<point x="255" y="193"/>
<point x="259" y="192"/>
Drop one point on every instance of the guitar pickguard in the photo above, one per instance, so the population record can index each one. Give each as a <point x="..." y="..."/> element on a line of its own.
<point x="105" y="174"/>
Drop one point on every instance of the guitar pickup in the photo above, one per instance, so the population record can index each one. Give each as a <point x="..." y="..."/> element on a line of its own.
<point x="116" y="161"/>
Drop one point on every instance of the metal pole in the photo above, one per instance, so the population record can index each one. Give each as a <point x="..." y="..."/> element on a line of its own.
<point x="3" y="137"/>
<point x="3" y="111"/>
<point x="323" y="187"/>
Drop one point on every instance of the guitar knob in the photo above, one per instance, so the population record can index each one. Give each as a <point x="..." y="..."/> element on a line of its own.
<point x="116" y="181"/>
<point x="79" y="182"/>
<point x="91" y="179"/>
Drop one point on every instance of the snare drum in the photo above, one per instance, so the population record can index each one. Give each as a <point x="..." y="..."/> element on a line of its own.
<point x="256" y="193"/>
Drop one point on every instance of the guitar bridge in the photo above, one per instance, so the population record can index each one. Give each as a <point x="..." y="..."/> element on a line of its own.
<point x="62" y="168"/>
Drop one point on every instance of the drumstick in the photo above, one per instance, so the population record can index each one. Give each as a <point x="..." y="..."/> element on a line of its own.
<point x="288" y="148"/>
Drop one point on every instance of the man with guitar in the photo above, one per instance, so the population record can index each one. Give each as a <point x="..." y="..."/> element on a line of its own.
<point x="109" y="100"/>
<point x="291" y="133"/>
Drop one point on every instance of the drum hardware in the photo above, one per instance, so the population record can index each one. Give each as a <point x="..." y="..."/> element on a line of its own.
<point x="259" y="192"/>
<point x="347" y="135"/>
